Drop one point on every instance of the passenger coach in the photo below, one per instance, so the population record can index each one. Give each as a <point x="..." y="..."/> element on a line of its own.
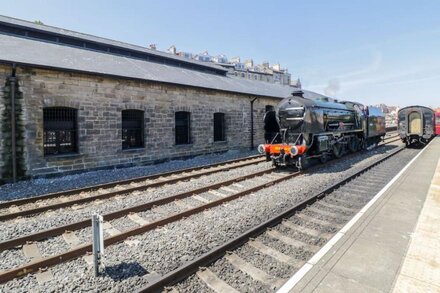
<point x="416" y="124"/>
<point x="437" y="122"/>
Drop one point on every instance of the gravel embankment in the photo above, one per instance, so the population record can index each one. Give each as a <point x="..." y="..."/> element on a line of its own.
<point x="163" y="250"/>
<point x="40" y="186"/>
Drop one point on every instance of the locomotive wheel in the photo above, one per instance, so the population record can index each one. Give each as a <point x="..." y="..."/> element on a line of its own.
<point x="337" y="150"/>
<point x="362" y="145"/>
<point x="268" y="158"/>
<point x="304" y="163"/>
<point x="323" y="158"/>
<point x="353" y="145"/>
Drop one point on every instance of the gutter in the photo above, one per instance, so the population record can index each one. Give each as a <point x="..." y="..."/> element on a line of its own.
<point x="12" y="81"/>
<point x="252" y="122"/>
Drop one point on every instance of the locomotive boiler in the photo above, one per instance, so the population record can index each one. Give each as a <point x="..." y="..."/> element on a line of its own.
<point x="316" y="126"/>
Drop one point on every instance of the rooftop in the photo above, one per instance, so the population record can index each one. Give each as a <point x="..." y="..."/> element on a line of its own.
<point x="40" y="54"/>
<point x="30" y="30"/>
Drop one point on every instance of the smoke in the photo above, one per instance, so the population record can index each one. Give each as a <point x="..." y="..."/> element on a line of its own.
<point x="333" y="87"/>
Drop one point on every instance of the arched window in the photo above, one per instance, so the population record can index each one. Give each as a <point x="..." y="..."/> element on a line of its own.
<point x="219" y="127"/>
<point x="60" y="130"/>
<point x="183" y="127"/>
<point x="132" y="129"/>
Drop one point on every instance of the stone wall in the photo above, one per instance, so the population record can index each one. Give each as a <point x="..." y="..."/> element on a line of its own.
<point x="100" y="100"/>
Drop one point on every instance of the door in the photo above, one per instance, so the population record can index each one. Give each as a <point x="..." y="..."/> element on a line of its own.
<point x="415" y="123"/>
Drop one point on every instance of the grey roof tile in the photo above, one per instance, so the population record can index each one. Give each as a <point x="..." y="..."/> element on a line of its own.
<point x="38" y="53"/>
<point x="82" y="36"/>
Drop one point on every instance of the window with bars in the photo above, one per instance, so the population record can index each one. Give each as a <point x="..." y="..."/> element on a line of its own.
<point x="60" y="131"/>
<point x="132" y="129"/>
<point x="219" y="127"/>
<point x="183" y="129"/>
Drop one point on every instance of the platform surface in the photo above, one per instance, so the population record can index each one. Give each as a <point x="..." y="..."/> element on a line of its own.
<point x="395" y="244"/>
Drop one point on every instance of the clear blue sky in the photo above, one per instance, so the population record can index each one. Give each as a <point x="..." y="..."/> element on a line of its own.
<point x="370" y="51"/>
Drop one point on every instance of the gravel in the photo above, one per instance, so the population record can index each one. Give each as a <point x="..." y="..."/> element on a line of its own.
<point x="264" y="262"/>
<point x="12" y="229"/>
<point x="325" y="229"/>
<point x="40" y="186"/>
<point x="165" y="249"/>
<point x="193" y="284"/>
<point x="301" y="254"/>
<point x="235" y="277"/>
<point x="14" y="256"/>
<point x="303" y="237"/>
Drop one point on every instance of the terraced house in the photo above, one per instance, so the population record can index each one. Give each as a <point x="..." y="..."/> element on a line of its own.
<point x="78" y="102"/>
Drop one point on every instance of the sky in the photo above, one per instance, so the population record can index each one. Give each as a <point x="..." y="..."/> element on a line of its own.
<point x="368" y="51"/>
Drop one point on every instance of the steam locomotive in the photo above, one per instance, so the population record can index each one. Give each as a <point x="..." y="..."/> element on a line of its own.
<point x="316" y="126"/>
<point x="416" y="125"/>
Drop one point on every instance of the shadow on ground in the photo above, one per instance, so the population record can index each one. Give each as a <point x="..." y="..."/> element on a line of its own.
<point x="125" y="270"/>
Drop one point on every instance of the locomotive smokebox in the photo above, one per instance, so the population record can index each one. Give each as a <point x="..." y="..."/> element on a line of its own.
<point x="291" y="111"/>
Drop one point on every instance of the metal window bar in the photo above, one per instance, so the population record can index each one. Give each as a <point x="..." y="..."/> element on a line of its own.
<point x="219" y="126"/>
<point x="60" y="131"/>
<point x="182" y="127"/>
<point x="132" y="129"/>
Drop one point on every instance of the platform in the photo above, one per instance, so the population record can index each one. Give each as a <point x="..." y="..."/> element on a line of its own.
<point x="393" y="246"/>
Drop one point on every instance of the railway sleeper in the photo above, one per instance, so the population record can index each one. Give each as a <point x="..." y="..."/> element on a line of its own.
<point x="348" y="204"/>
<point x="308" y="231"/>
<point x="331" y="214"/>
<point x="342" y="209"/>
<point x="314" y="221"/>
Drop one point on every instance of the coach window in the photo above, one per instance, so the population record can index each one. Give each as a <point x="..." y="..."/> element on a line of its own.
<point x="132" y="129"/>
<point x="219" y="127"/>
<point x="60" y="131"/>
<point x="183" y="128"/>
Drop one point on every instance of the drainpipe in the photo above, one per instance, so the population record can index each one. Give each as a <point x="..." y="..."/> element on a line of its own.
<point x="252" y="123"/>
<point x="12" y="80"/>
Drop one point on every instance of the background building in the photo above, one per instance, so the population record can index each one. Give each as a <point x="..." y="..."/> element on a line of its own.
<point x="244" y="69"/>
<point x="84" y="102"/>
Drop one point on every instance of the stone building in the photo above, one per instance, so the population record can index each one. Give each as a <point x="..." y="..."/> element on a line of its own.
<point x="85" y="103"/>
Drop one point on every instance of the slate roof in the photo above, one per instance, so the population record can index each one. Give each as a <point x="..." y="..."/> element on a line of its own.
<point x="37" y="53"/>
<point x="14" y="22"/>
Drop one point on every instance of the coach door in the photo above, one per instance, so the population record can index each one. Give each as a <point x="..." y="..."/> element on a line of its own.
<point x="414" y="122"/>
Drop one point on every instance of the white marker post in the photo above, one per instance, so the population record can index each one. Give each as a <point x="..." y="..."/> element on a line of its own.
<point x="98" y="241"/>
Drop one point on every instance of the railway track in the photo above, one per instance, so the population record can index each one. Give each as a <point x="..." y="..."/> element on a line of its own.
<point x="35" y="205"/>
<point x="263" y="258"/>
<point x="53" y="201"/>
<point x="218" y="189"/>
<point x="67" y="231"/>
